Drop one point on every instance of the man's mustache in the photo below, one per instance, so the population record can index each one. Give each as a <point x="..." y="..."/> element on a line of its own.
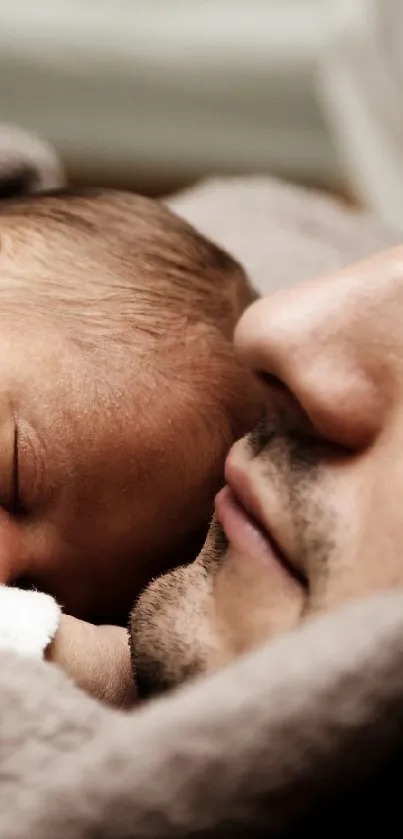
<point x="285" y="435"/>
<point x="291" y="452"/>
<point x="261" y="435"/>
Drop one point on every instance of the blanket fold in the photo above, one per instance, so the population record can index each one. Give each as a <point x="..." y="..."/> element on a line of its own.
<point x="290" y="730"/>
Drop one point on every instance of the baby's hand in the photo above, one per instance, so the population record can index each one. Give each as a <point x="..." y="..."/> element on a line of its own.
<point x="97" y="658"/>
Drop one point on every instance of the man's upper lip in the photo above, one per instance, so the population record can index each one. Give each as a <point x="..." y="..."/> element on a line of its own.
<point x="238" y="479"/>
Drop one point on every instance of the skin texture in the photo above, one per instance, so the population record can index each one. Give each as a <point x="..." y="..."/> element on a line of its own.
<point x="120" y="394"/>
<point x="310" y="517"/>
<point x="97" y="659"/>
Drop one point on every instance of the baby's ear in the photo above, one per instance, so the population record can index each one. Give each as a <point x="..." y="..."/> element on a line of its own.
<point x="27" y="164"/>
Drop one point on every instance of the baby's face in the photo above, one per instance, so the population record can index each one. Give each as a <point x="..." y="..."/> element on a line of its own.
<point x="110" y="458"/>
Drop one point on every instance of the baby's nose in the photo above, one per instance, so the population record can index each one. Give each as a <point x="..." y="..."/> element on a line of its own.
<point x="313" y="339"/>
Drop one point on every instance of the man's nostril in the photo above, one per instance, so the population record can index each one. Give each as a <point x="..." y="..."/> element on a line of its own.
<point x="283" y="413"/>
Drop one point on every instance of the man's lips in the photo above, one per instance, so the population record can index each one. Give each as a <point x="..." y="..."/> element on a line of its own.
<point x="240" y="515"/>
<point x="247" y="537"/>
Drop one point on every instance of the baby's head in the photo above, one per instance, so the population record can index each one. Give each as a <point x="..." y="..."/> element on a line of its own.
<point x="120" y="394"/>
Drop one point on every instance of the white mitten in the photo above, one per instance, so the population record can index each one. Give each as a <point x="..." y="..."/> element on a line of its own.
<point x="29" y="620"/>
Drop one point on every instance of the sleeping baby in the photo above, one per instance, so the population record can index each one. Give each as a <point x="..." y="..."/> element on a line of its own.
<point x="120" y="396"/>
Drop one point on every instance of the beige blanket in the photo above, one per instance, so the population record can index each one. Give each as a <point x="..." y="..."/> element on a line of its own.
<point x="279" y="232"/>
<point x="291" y="735"/>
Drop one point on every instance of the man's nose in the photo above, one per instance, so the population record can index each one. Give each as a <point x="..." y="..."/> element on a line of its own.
<point x="310" y="338"/>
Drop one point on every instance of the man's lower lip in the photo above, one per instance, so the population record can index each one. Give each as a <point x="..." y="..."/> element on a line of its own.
<point x="245" y="535"/>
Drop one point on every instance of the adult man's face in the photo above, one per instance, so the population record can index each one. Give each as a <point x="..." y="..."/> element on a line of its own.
<point x="310" y="515"/>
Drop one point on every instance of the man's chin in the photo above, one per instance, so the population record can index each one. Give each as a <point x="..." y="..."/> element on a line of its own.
<point x="172" y="625"/>
<point x="170" y="630"/>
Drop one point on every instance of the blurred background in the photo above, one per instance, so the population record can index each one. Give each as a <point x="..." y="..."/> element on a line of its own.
<point x="156" y="94"/>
